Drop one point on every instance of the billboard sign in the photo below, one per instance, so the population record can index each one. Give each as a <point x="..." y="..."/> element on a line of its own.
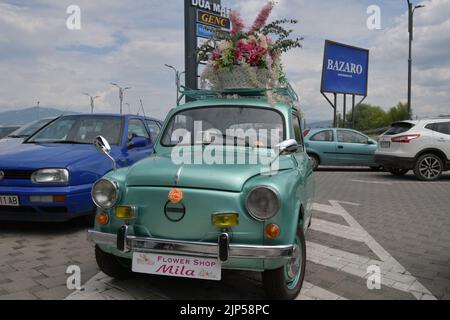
<point x="214" y="20"/>
<point x="345" y="69"/>
<point x="208" y="32"/>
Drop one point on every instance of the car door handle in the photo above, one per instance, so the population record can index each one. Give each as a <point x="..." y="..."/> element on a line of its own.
<point x="340" y="147"/>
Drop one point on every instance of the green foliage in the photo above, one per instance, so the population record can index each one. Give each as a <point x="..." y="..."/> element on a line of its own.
<point x="399" y="112"/>
<point x="369" y="117"/>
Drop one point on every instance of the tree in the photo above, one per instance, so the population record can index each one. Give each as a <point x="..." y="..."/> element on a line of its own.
<point x="370" y="117"/>
<point x="399" y="112"/>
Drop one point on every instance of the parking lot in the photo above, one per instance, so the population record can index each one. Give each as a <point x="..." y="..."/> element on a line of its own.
<point x="361" y="219"/>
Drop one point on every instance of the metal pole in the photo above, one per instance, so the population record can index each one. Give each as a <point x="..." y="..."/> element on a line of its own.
<point x="345" y="112"/>
<point x="353" y="112"/>
<point x="411" y="10"/>
<point x="335" y="111"/>
<point x="410" y="29"/>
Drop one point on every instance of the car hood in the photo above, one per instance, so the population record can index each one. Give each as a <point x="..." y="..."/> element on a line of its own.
<point x="35" y="156"/>
<point x="160" y="171"/>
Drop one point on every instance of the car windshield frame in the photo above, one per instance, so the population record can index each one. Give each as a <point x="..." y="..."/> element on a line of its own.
<point x="74" y="130"/>
<point x="166" y="128"/>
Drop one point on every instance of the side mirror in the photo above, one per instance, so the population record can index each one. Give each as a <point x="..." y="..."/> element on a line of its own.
<point x="138" y="142"/>
<point x="288" y="147"/>
<point x="102" y="145"/>
<point x="370" y="142"/>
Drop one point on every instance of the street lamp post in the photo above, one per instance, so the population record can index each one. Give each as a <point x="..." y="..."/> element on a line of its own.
<point x="178" y="75"/>
<point x="37" y="107"/>
<point x="92" y="99"/>
<point x="121" y="92"/>
<point x="411" y="10"/>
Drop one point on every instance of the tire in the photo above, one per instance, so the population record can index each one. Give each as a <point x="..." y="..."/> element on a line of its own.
<point x="376" y="168"/>
<point x="315" y="161"/>
<point x="398" y="172"/>
<point x="276" y="283"/>
<point x="428" y="167"/>
<point x="111" y="265"/>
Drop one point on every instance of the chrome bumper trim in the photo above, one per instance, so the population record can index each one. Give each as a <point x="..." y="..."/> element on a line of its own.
<point x="200" y="249"/>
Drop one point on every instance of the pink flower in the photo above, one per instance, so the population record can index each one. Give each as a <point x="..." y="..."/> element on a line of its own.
<point x="237" y="22"/>
<point x="262" y="17"/>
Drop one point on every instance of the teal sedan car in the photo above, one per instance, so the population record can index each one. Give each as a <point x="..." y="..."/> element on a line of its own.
<point x="230" y="186"/>
<point x="340" y="147"/>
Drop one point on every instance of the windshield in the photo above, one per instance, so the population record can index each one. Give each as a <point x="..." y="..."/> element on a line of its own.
<point x="80" y="130"/>
<point x="225" y="125"/>
<point x="29" y="129"/>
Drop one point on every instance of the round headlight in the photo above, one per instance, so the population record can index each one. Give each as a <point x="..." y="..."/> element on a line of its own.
<point x="263" y="203"/>
<point x="105" y="193"/>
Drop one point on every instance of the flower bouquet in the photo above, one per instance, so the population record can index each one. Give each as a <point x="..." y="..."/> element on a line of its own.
<point x="248" y="59"/>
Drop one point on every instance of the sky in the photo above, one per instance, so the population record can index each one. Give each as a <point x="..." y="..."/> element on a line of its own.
<point x="129" y="42"/>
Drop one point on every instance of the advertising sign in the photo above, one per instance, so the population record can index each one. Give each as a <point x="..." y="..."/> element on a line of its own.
<point x="214" y="20"/>
<point x="345" y="69"/>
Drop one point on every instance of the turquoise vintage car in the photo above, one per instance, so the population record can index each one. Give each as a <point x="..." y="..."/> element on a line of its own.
<point x="210" y="211"/>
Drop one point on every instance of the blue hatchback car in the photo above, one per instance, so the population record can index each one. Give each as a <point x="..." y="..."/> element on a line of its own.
<point x="49" y="176"/>
<point x="340" y="147"/>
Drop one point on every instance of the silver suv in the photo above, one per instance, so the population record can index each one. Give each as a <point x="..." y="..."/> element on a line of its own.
<point x="422" y="146"/>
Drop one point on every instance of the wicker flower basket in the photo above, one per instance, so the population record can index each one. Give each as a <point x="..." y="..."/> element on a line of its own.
<point x="240" y="77"/>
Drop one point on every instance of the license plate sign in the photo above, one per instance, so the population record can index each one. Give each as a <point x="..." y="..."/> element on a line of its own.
<point x="385" y="144"/>
<point x="9" y="201"/>
<point x="177" y="266"/>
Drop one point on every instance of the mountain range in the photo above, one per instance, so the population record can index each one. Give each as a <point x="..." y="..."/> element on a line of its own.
<point x="23" y="116"/>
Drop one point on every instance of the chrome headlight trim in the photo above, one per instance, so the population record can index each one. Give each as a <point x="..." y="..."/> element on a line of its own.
<point x="255" y="216"/>
<point x="114" y="201"/>
<point x="64" y="173"/>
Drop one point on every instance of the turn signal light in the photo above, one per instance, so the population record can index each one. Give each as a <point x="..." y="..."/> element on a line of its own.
<point x="102" y="218"/>
<point x="124" y="213"/>
<point x="272" y="231"/>
<point x="225" y="220"/>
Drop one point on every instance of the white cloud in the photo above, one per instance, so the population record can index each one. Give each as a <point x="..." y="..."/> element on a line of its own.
<point x="129" y="42"/>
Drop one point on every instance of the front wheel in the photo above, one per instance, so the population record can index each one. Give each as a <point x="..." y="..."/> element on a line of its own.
<point x="314" y="161"/>
<point x="111" y="265"/>
<point x="429" y="167"/>
<point x="286" y="282"/>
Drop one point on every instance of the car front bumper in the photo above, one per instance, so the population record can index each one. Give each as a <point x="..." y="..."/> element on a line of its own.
<point x="223" y="251"/>
<point x="389" y="161"/>
<point x="77" y="203"/>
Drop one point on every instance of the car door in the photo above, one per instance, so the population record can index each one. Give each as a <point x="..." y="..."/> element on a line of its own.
<point x="324" y="144"/>
<point x="353" y="148"/>
<point x="441" y="133"/>
<point x="306" y="191"/>
<point x="137" y="128"/>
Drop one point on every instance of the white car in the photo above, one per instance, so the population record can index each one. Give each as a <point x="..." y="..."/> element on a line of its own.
<point x="422" y="146"/>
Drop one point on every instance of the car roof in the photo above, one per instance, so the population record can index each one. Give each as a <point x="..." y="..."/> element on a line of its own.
<point x="110" y="115"/>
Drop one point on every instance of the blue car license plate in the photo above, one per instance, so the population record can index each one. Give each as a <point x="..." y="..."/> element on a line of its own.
<point x="9" y="201"/>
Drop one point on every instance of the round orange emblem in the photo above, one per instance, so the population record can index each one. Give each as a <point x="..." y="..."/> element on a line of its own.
<point x="175" y="196"/>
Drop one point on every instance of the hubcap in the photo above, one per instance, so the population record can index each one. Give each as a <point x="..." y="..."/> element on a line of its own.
<point x="293" y="266"/>
<point x="430" y="168"/>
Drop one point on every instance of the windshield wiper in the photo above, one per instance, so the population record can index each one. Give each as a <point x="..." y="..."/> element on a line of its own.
<point x="57" y="142"/>
<point x="68" y="142"/>
<point x="17" y="136"/>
